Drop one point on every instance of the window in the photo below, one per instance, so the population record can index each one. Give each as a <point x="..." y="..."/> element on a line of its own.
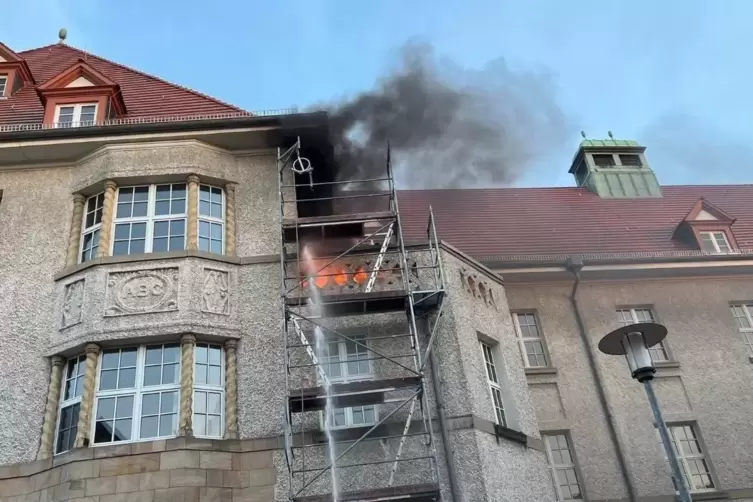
<point x="345" y="361"/>
<point x="91" y="227"/>
<point x="138" y="394"/>
<point x="630" y="316"/>
<point x="693" y="463"/>
<point x="743" y="315"/>
<point x="208" y="395"/>
<point x="530" y="340"/>
<point x="715" y="242"/>
<point x="76" y="115"/>
<point x="603" y="159"/>
<point x="211" y="219"/>
<point x="631" y="160"/>
<point x="70" y="404"/>
<point x="494" y="388"/>
<point x="150" y="219"/>
<point x="562" y="467"/>
<point x="3" y="83"/>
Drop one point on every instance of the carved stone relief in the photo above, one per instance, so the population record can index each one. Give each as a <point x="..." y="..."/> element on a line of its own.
<point x="142" y="291"/>
<point x="215" y="295"/>
<point x="478" y="288"/>
<point x="72" y="304"/>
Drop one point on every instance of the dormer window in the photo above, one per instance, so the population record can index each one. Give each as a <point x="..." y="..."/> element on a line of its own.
<point x="715" y="242"/>
<point x="78" y="115"/>
<point x="3" y="84"/>
<point x="604" y="160"/>
<point x="630" y="160"/>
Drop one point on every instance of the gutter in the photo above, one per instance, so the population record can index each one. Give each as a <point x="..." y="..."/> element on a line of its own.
<point x="574" y="265"/>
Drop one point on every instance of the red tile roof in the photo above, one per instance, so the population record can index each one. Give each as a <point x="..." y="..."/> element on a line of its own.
<point x="144" y="95"/>
<point x="504" y="222"/>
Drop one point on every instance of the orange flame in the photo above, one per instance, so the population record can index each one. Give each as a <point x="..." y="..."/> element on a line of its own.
<point x="341" y="279"/>
<point x="360" y="276"/>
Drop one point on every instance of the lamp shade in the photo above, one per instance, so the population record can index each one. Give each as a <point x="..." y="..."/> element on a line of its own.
<point x="633" y="342"/>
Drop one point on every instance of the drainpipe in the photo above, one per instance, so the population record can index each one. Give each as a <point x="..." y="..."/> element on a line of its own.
<point x="452" y="479"/>
<point x="574" y="265"/>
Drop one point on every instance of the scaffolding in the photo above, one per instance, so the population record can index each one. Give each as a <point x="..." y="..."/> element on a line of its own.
<point x="345" y="259"/>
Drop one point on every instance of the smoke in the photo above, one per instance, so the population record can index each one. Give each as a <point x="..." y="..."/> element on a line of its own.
<point x="448" y="126"/>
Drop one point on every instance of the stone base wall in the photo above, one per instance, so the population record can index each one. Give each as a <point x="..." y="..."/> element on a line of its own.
<point x="173" y="470"/>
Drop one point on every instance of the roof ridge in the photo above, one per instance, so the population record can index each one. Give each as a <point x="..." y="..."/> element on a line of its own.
<point x="147" y="75"/>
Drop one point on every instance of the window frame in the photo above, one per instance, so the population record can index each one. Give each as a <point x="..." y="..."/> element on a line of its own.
<point x="552" y="467"/>
<point x="521" y="339"/>
<point x="342" y="358"/>
<point x="76" y="117"/>
<point x="682" y="458"/>
<point x="65" y="403"/>
<point x="662" y="345"/>
<point x="210" y="219"/>
<point x="208" y="388"/>
<point x="747" y="333"/>
<point x="94" y="228"/>
<point x="150" y="219"/>
<point x="491" y="369"/>
<point x="713" y="234"/>
<point x="138" y="392"/>
<point x="4" y="81"/>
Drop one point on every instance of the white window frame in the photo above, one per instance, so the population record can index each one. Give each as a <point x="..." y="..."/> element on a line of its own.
<point x="342" y="358"/>
<point x="747" y="333"/>
<point x="492" y="379"/>
<point x="210" y="219"/>
<point x="714" y="234"/>
<point x="207" y="388"/>
<point x="553" y="468"/>
<point x="523" y="339"/>
<point x="92" y="229"/>
<point x="150" y="219"/>
<point x="684" y="457"/>
<point x="4" y="82"/>
<point x="65" y="403"/>
<point x="657" y="349"/>
<point x="76" y="118"/>
<point x="137" y="392"/>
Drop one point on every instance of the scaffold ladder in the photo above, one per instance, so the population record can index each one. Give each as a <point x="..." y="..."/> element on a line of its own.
<point x="402" y="442"/>
<point x="380" y="259"/>
<point x="306" y="345"/>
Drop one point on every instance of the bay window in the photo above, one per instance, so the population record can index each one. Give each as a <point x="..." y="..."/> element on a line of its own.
<point x="211" y="219"/>
<point x="208" y="394"/>
<point x="91" y="227"/>
<point x="492" y="380"/>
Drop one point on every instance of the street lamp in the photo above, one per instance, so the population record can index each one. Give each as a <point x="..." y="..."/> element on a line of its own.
<point x="633" y="342"/>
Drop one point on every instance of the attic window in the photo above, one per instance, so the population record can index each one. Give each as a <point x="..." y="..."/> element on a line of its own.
<point x="632" y="160"/>
<point x="603" y="159"/>
<point x="715" y="242"/>
<point x="80" y="115"/>
<point x="3" y="83"/>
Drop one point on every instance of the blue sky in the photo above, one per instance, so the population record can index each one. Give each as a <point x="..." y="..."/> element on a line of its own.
<point x="674" y="74"/>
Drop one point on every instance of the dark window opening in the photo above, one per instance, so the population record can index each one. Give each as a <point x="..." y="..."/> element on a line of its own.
<point x="630" y="160"/>
<point x="603" y="160"/>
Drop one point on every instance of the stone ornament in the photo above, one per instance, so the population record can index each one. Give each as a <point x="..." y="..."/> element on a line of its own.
<point x="215" y="296"/>
<point x="142" y="291"/>
<point x="72" y="304"/>
<point x="477" y="288"/>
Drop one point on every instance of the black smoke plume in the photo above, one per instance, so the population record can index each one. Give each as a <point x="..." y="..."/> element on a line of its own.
<point x="448" y="126"/>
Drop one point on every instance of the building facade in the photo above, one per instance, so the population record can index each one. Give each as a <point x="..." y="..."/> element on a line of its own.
<point x="187" y="315"/>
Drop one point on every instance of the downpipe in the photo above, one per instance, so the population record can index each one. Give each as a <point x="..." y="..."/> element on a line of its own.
<point x="574" y="265"/>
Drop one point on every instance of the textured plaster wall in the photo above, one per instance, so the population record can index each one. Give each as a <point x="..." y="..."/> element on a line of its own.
<point x="34" y="217"/>
<point x="711" y="386"/>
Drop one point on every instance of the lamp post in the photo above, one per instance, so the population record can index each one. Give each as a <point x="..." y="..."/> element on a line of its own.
<point x="633" y="342"/>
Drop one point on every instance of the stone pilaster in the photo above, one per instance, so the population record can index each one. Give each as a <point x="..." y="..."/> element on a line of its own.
<point x="230" y="219"/>
<point x="187" y="346"/>
<point x="51" y="408"/>
<point x="74" y="236"/>
<point x="87" y="395"/>
<point x="108" y="213"/>
<point x="193" y="212"/>
<point x="231" y="390"/>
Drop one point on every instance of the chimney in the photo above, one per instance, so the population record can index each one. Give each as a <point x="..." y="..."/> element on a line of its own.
<point x="614" y="168"/>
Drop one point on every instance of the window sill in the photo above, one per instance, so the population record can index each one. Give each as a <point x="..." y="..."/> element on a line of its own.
<point x="541" y="371"/>
<point x="505" y="432"/>
<point x="712" y="495"/>
<point x="667" y="364"/>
